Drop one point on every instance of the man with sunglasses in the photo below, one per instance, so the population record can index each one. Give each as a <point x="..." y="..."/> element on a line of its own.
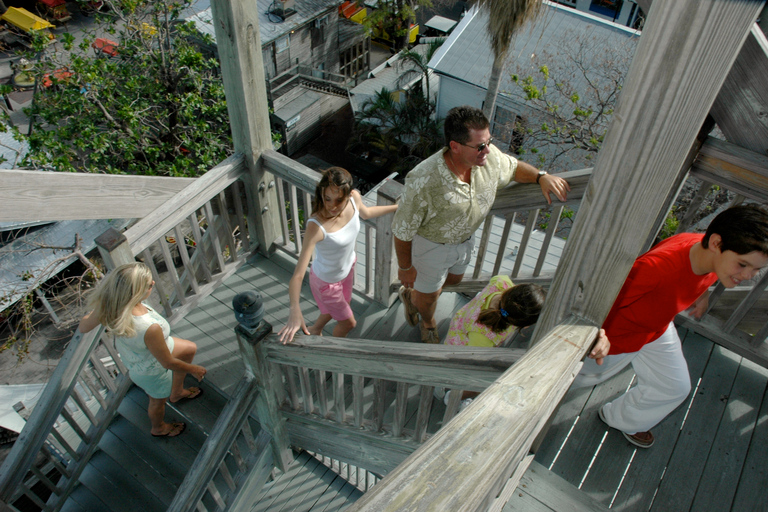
<point x="445" y="199"/>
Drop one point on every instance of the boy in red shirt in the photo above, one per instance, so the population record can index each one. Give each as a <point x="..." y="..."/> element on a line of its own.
<point x="673" y="276"/>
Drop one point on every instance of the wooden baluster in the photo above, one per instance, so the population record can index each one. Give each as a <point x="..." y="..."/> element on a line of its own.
<point x="554" y="221"/>
<point x="306" y="390"/>
<point x="454" y="401"/>
<point x="202" y="261"/>
<point x="181" y="245"/>
<point x="276" y="376"/>
<point x="379" y="403"/>
<point x="422" y="416"/>
<point x="510" y="219"/>
<point x="214" y="234"/>
<point x="283" y="215"/>
<point x="386" y="262"/>
<point x="357" y="398"/>
<point x="226" y="476"/>
<point x="339" y="408"/>
<point x="693" y="207"/>
<point x="228" y="238"/>
<point x="529" y="227"/>
<point x="74" y="425"/>
<point x="102" y="372"/>
<point x="401" y="404"/>
<point x="322" y="399"/>
<point x="487" y="228"/>
<point x="216" y="495"/>
<point x="290" y="378"/>
<point x="369" y="259"/>
<point x="244" y="240"/>
<point x="295" y="223"/>
<point x="158" y="289"/>
<point x="82" y="405"/>
<point x="759" y="338"/>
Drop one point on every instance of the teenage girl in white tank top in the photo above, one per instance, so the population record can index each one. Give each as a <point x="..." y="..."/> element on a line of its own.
<point x="330" y="234"/>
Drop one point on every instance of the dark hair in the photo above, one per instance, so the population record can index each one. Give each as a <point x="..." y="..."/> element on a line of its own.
<point x="460" y="120"/>
<point x="331" y="177"/>
<point x="742" y="229"/>
<point x="521" y="303"/>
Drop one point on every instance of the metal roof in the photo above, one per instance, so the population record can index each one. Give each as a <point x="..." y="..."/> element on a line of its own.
<point x="271" y="26"/>
<point x="467" y="56"/>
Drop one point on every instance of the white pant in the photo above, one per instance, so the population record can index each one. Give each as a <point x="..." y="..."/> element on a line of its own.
<point x="663" y="383"/>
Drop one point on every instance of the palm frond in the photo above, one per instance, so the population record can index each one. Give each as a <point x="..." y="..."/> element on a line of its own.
<point x="505" y="18"/>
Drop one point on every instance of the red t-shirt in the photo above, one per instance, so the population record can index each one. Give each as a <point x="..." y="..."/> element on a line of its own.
<point x="660" y="285"/>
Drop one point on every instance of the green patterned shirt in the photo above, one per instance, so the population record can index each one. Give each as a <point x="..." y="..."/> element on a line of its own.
<point x="438" y="206"/>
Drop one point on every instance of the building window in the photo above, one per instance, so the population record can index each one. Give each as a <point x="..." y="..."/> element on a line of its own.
<point x="282" y="44"/>
<point x="354" y="60"/>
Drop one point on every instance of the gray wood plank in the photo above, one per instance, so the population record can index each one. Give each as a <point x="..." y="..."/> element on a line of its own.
<point x="124" y="494"/>
<point x="681" y="478"/>
<point x="540" y="489"/>
<point x="725" y="463"/>
<point x="647" y="468"/>
<point x="752" y="493"/>
<point x="272" y="494"/>
<point x="83" y="500"/>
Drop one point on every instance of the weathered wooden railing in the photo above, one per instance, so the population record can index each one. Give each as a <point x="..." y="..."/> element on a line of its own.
<point x="233" y="465"/>
<point x="81" y="399"/>
<point x="369" y="403"/>
<point x="207" y="213"/>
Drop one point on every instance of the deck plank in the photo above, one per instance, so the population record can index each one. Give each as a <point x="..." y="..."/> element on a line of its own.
<point x="725" y="464"/>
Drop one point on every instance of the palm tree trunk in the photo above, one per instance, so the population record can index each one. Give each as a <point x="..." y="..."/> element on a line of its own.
<point x="493" y="85"/>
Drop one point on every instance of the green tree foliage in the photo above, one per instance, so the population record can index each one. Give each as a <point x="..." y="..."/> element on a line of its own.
<point x="157" y="108"/>
<point x="574" y="94"/>
<point x="403" y="132"/>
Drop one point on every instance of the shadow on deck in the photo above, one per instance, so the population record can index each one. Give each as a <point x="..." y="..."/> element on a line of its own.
<point x="708" y="454"/>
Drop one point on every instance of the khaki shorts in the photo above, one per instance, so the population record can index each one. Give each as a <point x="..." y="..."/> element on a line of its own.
<point x="435" y="261"/>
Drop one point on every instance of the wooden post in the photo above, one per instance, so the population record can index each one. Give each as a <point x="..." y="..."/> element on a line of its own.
<point x="385" y="249"/>
<point x="114" y="249"/>
<point x="271" y="419"/>
<point x="684" y="55"/>
<point x="239" y="45"/>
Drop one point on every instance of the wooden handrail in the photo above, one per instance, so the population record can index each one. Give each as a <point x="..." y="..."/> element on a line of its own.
<point x="44" y="415"/>
<point x="475" y="454"/>
<point x="219" y="442"/>
<point x="522" y="197"/>
<point x="142" y="234"/>
<point x="439" y="365"/>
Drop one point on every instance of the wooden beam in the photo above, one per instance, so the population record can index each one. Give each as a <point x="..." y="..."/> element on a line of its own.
<point x="239" y="46"/>
<point x="40" y="195"/>
<point x="520" y="197"/>
<point x="687" y="49"/>
<point x="737" y="169"/>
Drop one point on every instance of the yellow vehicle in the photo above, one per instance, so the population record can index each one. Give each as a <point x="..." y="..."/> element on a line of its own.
<point x="27" y="22"/>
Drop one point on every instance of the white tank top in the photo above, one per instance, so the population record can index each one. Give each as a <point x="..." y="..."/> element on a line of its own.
<point x="335" y="253"/>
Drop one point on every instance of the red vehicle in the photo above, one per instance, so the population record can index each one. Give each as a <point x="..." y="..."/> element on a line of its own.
<point x="105" y="46"/>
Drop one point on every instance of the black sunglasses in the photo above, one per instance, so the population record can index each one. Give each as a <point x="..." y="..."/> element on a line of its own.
<point x="480" y="147"/>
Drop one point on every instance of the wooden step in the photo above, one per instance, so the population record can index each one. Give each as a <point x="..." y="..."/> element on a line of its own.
<point x="540" y="490"/>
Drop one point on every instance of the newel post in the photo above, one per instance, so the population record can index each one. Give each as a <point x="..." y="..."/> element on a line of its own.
<point x="251" y="331"/>
<point x="386" y="263"/>
<point x="114" y="249"/>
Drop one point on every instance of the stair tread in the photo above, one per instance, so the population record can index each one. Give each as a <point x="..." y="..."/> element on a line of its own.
<point x="81" y="499"/>
<point x="125" y="494"/>
<point x="146" y="472"/>
<point x="204" y="410"/>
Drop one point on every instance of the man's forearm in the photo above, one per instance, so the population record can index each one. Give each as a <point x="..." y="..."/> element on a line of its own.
<point x="403" y="253"/>
<point x="526" y="173"/>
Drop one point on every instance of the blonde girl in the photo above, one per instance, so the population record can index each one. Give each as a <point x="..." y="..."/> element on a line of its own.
<point x="331" y="233"/>
<point x="156" y="361"/>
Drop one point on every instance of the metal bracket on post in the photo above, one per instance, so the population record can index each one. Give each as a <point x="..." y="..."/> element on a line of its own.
<point x="251" y="330"/>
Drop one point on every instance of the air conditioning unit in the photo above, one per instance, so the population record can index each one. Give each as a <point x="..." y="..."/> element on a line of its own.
<point x="285" y="8"/>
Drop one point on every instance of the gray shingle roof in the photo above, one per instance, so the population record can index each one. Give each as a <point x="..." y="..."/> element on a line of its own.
<point x="467" y="54"/>
<point x="269" y="27"/>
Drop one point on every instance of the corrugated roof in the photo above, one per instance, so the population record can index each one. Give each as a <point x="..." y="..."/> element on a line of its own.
<point x="270" y="27"/>
<point x="387" y="74"/>
<point x="467" y="54"/>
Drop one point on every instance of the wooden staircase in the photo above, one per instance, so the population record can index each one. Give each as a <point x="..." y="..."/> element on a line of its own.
<point x="135" y="471"/>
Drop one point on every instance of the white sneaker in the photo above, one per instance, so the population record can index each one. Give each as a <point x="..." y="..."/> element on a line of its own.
<point x="439" y="392"/>
<point x="463" y="405"/>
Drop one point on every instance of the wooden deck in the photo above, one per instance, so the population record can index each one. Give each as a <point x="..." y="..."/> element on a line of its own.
<point x="709" y="454"/>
